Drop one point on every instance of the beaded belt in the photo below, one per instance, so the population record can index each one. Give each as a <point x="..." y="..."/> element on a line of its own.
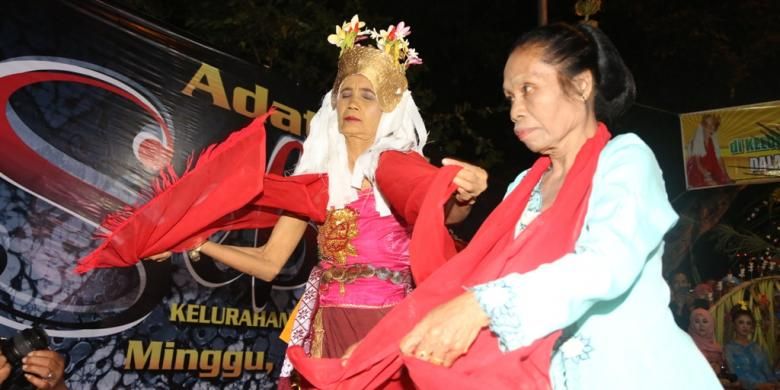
<point x="349" y="273"/>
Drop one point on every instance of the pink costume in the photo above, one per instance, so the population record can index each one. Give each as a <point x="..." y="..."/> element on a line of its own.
<point x="380" y="243"/>
<point x="363" y="273"/>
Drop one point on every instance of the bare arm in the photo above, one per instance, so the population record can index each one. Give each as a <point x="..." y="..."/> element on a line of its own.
<point x="264" y="262"/>
<point x="455" y="211"/>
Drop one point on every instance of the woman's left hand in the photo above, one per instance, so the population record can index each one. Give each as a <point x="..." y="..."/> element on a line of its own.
<point x="447" y="331"/>
<point x="471" y="181"/>
<point x="44" y="369"/>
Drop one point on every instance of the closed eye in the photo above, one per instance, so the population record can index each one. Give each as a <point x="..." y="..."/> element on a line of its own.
<point x="367" y="94"/>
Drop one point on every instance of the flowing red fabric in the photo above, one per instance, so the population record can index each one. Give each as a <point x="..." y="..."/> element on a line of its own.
<point x="492" y="253"/>
<point x="226" y="190"/>
<point x="410" y="184"/>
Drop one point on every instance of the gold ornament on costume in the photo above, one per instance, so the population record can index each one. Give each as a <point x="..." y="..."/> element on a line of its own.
<point x="384" y="66"/>
<point x="336" y="234"/>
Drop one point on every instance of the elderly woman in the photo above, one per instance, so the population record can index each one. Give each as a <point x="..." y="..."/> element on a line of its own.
<point x="563" y="280"/>
<point x="364" y="242"/>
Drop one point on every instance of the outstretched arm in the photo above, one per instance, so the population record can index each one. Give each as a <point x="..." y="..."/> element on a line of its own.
<point x="264" y="262"/>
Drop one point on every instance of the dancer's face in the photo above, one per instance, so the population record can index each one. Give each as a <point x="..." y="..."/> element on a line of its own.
<point x="358" y="108"/>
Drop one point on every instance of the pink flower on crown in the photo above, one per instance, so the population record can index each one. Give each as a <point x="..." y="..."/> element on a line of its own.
<point x="412" y="58"/>
<point x="401" y="30"/>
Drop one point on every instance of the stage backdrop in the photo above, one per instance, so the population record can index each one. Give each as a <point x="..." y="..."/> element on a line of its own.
<point x="94" y="101"/>
<point x="734" y="145"/>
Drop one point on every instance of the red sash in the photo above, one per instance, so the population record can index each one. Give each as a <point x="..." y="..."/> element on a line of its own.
<point x="227" y="189"/>
<point x="492" y="253"/>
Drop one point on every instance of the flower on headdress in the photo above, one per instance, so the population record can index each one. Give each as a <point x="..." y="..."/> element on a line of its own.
<point x="412" y="58"/>
<point x="399" y="31"/>
<point x="348" y="34"/>
<point x="355" y="24"/>
<point x="392" y="41"/>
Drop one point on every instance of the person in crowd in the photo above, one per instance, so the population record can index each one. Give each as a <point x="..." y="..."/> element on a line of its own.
<point x="702" y="331"/>
<point x="364" y="242"/>
<point x="566" y="272"/>
<point x="681" y="301"/>
<point x="702" y="296"/>
<point x="44" y="369"/>
<point x="745" y="357"/>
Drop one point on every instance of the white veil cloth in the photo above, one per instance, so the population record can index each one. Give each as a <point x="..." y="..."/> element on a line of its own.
<point x="325" y="150"/>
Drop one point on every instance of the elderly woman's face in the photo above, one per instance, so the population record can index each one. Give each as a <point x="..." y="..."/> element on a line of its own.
<point x="358" y="108"/>
<point x="542" y="112"/>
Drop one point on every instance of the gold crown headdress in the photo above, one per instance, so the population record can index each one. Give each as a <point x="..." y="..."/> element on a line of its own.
<point x="384" y="66"/>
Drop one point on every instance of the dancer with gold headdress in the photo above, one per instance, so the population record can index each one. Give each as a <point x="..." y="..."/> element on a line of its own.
<point x="364" y="242"/>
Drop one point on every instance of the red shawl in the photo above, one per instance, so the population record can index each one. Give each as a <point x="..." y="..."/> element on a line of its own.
<point x="410" y="184"/>
<point x="492" y="253"/>
<point x="227" y="189"/>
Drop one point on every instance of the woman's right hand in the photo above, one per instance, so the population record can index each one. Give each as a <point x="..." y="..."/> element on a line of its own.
<point x="447" y="331"/>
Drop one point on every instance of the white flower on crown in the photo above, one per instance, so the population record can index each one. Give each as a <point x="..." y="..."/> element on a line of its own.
<point x="348" y="33"/>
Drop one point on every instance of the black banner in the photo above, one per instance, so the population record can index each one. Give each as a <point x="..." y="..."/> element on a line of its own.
<point x="95" y="101"/>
